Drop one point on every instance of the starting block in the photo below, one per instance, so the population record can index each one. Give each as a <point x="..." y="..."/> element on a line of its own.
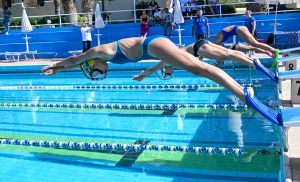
<point x="290" y="115"/>
<point x="288" y="58"/>
<point x="289" y="51"/>
<point x="292" y="61"/>
<point x="292" y="67"/>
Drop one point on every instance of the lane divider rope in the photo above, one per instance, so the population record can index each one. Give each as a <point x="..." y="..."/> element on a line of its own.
<point x="115" y="87"/>
<point x="86" y="146"/>
<point x="127" y="106"/>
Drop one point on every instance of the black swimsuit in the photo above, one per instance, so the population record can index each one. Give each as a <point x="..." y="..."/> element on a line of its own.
<point x="199" y="44"/>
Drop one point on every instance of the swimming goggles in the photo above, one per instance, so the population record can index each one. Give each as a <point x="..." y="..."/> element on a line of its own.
<point x="90" y="73"/>
<point x="162" y="74"/>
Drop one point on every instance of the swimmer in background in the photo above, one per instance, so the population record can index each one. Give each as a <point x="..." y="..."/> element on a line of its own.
<point x="243" y="33"/>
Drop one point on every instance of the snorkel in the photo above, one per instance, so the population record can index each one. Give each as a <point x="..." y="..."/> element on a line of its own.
<point x="92" y="73"/>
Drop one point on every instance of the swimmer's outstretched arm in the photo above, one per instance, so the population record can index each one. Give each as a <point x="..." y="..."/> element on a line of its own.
<point x="72" y="62"/>
<point x="148" y="71"/>
<point x="53" y="69"/>
<point x="76" y="60"/>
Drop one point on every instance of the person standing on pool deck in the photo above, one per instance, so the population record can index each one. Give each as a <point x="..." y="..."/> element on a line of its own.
<point x="250" y="23"/>
<point x="200" y="27"/>
<point x="86" y="37"/>
<point x="94" y="65"/>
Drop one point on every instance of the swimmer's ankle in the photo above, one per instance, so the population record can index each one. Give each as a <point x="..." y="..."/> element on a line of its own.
<point x="250" y="91"/>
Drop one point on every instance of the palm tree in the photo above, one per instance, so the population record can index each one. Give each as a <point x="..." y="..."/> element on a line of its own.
<point x="3" y="3"/>
<point x="88" y="8"/>
<point x="57" y="4"/>
<point x="256" y="7"/>
<point x="70" y="8"/>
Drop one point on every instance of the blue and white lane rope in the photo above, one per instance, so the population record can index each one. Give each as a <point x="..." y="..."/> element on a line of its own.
<point x="85" y="146"/>
<point x="115" y="87"/>
<point x="125" y="106"/>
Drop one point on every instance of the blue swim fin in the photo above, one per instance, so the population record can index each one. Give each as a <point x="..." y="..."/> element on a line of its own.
<point x="265" y="70"/>
<point x="269" y="113"/>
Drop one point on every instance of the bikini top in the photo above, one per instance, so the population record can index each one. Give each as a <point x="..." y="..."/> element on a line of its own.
<point x="120" y="57"/>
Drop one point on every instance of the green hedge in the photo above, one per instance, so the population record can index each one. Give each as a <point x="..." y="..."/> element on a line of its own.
<point x="37" y="20"/>
<point x="228" y="9"/>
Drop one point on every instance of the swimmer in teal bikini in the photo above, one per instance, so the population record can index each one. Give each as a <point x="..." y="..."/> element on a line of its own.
<point x="243" y="33"/>
<point x="156" y="47"/>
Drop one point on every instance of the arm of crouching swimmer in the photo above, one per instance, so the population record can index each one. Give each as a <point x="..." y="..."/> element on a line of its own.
<point x="149" y="71"/>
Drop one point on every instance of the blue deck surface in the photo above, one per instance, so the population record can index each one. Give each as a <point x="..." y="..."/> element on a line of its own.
<point x="291" y="117"/>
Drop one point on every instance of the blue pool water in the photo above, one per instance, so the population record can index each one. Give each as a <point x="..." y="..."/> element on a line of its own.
<point x="232" y="128"/>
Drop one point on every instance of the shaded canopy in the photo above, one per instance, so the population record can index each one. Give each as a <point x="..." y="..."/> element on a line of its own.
<point x="178" y="18"/>
<point x="26" y="26"/>
<point x="99" y="23"/>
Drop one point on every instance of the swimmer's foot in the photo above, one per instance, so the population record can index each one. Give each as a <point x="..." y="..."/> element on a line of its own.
<point x="265" y="70"/>
<point x="269" y="54"/>
<point x="275" y="57"/>
<point x="268" y="113"/>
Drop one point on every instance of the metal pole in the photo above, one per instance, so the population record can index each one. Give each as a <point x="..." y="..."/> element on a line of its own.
<point x="134" y="11"/>
<point x="275" y="23"/>
<point x="220" y="9"/>
<point x="26" y="41"/>
<point x="60" y="24"/>
<point x="179" y="35"/>
<point x="98" y="37"/>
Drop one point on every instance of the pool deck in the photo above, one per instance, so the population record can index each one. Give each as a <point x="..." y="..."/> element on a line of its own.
<point x="293" y="154"/>
<point x="28" y="62"/>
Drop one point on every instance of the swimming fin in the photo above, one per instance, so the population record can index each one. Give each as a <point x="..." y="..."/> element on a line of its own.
<point x="265" y="70"/>
<point x="272" y="115"/>
<point x="275" y="57"/>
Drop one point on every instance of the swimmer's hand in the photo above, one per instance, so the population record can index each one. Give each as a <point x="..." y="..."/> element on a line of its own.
<point x="51" y="69"/>
<point x="139" y="77"/>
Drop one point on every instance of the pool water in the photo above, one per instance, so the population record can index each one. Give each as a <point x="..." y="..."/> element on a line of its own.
<point x="191" y="114"/>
